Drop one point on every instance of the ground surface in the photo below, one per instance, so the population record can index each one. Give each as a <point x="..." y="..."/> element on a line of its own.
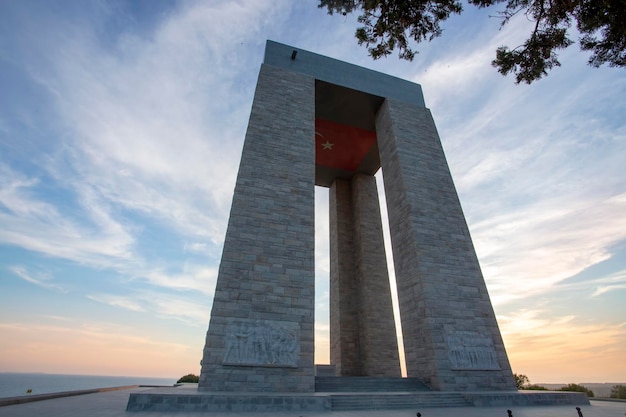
<point x="113" y="404"/>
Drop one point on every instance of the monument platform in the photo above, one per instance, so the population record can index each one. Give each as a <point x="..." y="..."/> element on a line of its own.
<point x="351" y="397"/>
<point x="113" y="404"/>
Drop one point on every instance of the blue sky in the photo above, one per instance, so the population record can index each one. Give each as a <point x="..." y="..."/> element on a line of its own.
<point x="121" y="128"/>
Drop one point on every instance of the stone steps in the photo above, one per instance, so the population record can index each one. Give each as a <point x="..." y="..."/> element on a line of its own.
<point x="190" y="400"/>
<point x="369" y="401"/>
<point x="368" y="384"/>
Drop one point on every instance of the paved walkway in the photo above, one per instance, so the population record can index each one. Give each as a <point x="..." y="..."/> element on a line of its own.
<point x="113" y="404"/>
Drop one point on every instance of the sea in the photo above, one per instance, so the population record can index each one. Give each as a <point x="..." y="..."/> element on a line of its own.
<point x="17" y="384"/>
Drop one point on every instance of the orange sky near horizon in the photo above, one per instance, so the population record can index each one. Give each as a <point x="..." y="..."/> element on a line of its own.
<point x="79" y="348"/>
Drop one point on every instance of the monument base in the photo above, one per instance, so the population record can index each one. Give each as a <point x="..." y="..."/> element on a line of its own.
<point x="187" y="398"/>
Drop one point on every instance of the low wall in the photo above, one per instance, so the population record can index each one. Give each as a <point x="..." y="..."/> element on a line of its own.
<point x="526" y="398"/>
<point x="41" y="397"/>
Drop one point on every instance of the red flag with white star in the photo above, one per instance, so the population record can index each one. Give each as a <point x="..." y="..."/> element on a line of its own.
<point x="341" y="146"/>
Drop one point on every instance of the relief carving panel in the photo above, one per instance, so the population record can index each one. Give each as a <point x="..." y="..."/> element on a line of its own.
<point x="262" y="343"/>
<point x="471" y="351"/>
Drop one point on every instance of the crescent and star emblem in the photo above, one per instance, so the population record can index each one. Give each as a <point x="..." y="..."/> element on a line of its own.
<point x="325" y="146"/>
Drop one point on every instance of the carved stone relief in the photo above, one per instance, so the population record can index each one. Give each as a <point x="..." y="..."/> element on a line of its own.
<point x="262" y="343"/>
<point x="471" y="351"/>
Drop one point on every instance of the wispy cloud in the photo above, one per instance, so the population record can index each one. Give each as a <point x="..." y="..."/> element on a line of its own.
<point x="529" y="250"/>
<point x="195" y="277"/>
<point x="541" y="184"/>
<point x="191" y="311"/>
<point x="607" y="288"/>
<point x="465" y="66"/>
<point x="40" y="279"/>
<point x="103" y="348"/>
<point x="612" y="282"/>
<point x="35" y="224"/>
<point x="128" y="303"/>
<point x="535" y="337"/>
<point x="151" y="129"/>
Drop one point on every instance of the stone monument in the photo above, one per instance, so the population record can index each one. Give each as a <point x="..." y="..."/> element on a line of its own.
<point x="319" y="121"/>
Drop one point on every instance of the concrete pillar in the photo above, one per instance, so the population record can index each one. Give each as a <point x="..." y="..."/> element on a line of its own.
<point x="260" y="335"/>
<point x="363" y="335"/>
<point x="344" y="292"/>
<point x="451" y="337"/>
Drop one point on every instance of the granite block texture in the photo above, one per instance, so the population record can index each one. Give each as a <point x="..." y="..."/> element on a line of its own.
<point x="363" y="337"/>
<point x="451" y="337"/>
<point x="260" y="336"/>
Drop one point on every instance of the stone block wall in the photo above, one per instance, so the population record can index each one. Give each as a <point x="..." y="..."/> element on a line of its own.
<point x="344" y="300"/>
<point x="260" y="335"/>
<point x="363" y="335"/>
<point x="451" y="337"/>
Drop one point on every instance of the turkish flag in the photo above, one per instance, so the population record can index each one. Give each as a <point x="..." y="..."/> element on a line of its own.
<point x="341" y="146"/>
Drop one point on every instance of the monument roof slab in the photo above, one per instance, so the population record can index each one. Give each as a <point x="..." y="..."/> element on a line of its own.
<point x="341" y="73"/>
<point x="347" y="98"/>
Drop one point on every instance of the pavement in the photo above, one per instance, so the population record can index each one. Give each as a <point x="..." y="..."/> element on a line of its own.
<point x="113" y="404"/>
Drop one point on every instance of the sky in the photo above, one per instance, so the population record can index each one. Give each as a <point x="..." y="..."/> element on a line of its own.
<point x="121" y="129"/>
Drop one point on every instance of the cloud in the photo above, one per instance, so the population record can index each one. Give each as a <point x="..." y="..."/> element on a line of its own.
<point x="35" y="224"/>
<point x="528" y="250"/>
<point x="464" y="67"/>
<point x="194" y="277"/>
<point x="95" y="241"/>
<point x="150" y="130"/>
<point x="538" y="171"/>
<point x="127" y="303"/>
<point x="196" y="247"/>
<point x="322" y="235"/>
<point x="612" y="282"/>
<point x="98" y="347"/>
<point x="40" y="279"/>
<point x="604" y="289"/>
<point x="544" y="347"/>
<point x="183" y="307"/>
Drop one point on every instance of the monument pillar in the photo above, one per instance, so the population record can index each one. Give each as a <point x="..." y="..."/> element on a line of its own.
<point x="260" y="336"/>
<point x="451" y="337"/>
<point x="363" y="337"/>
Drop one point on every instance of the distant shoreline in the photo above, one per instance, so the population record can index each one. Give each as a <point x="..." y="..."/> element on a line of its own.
<point x="600" y="389"/>
<point x="89" y="375"/>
